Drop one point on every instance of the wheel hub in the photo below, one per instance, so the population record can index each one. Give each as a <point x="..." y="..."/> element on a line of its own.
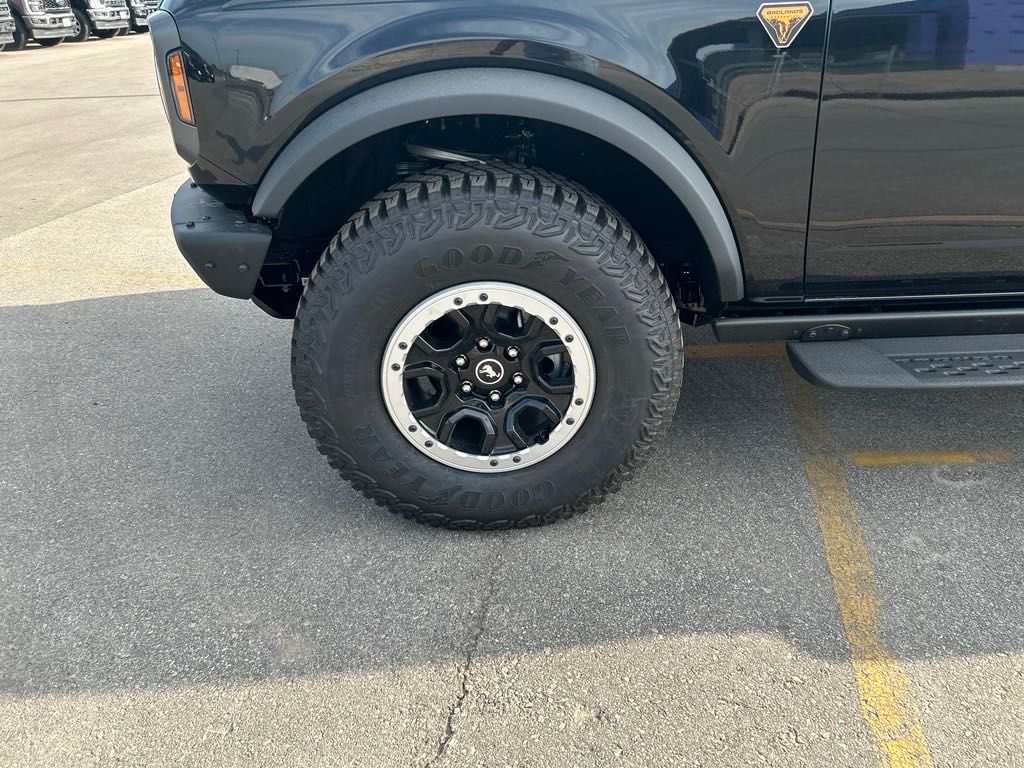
<point x="488" y="377"/>
<point x="489" y="372"/>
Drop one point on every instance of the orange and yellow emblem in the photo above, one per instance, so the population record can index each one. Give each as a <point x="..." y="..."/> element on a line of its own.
<point x="783" y="21"/>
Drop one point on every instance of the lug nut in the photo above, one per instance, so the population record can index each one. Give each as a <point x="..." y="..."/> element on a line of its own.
<point x="461" y="361"/>
<point x="513" y="352"/>
<point x="518" y="379"/>
<point x="495" y="396"/>
<point x="466" y="387"/>
<point x="484" y="343"/>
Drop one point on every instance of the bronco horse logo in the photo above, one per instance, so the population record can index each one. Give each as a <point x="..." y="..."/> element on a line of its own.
<point x="489" y="371"/>
<point x="783" y="21"/>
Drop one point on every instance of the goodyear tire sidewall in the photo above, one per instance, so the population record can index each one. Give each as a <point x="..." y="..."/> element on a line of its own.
<point x="356" y="299"/>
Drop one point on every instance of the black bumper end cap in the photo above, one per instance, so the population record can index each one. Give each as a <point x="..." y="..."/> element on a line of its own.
<point x="224" y="248"/>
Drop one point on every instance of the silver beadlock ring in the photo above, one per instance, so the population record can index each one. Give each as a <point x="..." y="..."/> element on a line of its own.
<point x="468" y="295"/>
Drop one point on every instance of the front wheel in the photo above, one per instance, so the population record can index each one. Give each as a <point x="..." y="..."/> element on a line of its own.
<point x="80" y="29"/>
<point x="486" y="346"/>
<point x="20" y="36"/>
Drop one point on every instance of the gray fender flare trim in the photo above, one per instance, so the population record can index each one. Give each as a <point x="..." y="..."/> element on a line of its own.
<point x="509" y="92"/>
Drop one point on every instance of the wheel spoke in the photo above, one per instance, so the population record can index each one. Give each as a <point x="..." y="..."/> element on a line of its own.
<point x="530" y="421"/>
<point x="470" y="430"/>
<point x="510" y="324"/>
<point x="551" y="366"/>
<point x="446" y="333"/>
<point x="427" y="388"/>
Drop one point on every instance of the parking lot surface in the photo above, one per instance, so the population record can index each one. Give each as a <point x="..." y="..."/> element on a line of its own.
<point x="799" y="578"/>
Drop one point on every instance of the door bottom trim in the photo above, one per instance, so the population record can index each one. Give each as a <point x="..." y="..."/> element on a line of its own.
<point x="912" y="297"/>
<point x="870" y="325"/>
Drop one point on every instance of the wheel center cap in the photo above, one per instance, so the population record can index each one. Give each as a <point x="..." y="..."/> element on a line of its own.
<point x="489" y="372"/>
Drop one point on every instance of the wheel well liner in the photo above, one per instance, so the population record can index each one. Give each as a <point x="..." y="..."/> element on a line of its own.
<point x="522" y="93"/>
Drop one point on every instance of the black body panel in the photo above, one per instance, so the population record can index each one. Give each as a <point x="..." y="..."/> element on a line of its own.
<point x="706" y="71"/>
<point x="875" y="159"/>
<point x="870" y="325"/>
<point x="919" y="176"/>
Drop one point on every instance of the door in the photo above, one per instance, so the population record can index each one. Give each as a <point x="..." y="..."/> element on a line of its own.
<point x="918" y="185"/>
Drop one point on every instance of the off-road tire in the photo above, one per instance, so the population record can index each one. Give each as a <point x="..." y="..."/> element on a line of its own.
<point x="467" y="223"/>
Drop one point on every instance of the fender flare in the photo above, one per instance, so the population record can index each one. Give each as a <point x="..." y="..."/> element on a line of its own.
<point x="501" y="91"/>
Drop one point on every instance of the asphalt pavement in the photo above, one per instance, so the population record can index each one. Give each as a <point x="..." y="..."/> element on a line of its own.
<point x="800" y="578"/>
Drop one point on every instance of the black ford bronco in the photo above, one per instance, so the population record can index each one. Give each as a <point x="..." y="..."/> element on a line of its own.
<point x="489" y="219"/>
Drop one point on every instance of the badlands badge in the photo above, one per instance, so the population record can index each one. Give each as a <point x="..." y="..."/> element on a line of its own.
<point x="783" y="21"/>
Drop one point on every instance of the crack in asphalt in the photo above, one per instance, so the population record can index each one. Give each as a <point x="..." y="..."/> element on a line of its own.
<point x="477" y="630"/>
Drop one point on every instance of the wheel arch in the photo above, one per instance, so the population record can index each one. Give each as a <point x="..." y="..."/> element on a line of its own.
<point x="522" y="93"/>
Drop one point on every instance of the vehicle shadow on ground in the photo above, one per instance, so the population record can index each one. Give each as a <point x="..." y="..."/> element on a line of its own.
<point x="166" y="520"/>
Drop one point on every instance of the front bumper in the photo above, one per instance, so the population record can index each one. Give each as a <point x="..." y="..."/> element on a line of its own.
<point x="6" y="32"/>
<point x="109" y="18"/>
<point x="50" y="25"/>
<point x="140" y="16"/>
<point x="224" y="248"/>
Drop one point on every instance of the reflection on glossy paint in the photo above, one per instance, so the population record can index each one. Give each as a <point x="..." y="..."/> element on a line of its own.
<point x="919" y="143"/>
<point x="707" y="70"/>
<point x="917" y="183"/>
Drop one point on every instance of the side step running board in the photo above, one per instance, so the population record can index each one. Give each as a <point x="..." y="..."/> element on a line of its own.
<point x="937" y="362"/>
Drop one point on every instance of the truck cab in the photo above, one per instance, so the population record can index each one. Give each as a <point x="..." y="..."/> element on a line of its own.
<point x="47" y="22"/>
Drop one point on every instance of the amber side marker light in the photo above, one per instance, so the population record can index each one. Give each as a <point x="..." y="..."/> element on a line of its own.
<point x="179" y="85"/>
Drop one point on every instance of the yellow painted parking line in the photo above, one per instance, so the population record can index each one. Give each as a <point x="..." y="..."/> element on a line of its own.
<point x="725" y="351"/>
<point x="926" y="458"/>
<point x="883" y="688"/>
